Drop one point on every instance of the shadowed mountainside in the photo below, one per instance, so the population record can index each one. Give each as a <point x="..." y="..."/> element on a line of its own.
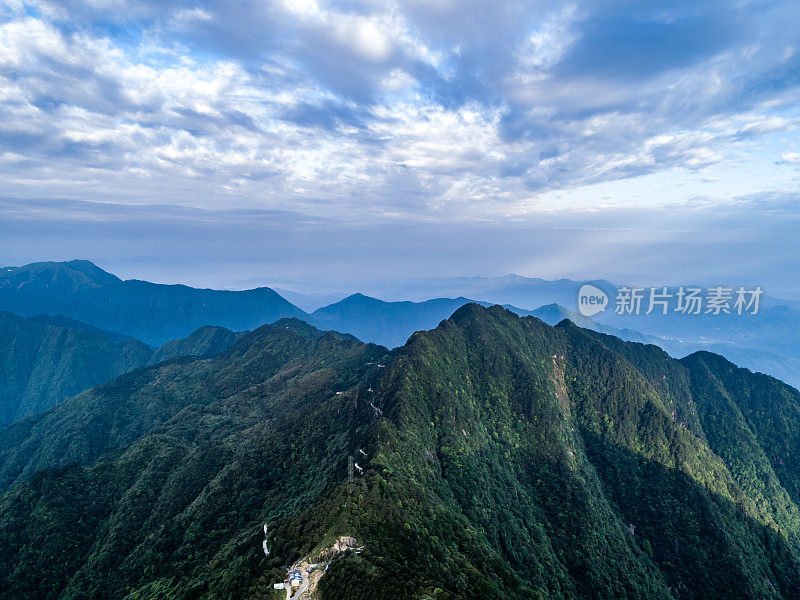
<point x="45" y="359"/>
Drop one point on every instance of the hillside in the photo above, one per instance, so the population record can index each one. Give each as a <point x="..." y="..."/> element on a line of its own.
<point x="239" y="438"/>
<point x="502" y="458"/>
<point x="45" y="359"/>
<point x="153" y="313"/>
<point x="205" y="342"/>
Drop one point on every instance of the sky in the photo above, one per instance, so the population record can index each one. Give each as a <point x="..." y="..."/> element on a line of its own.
<point x="337" y="145"/>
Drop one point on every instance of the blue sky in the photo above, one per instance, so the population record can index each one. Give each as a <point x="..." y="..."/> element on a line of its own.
<point x="227" y="144"/>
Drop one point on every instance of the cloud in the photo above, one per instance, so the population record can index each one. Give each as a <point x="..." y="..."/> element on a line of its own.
<point x="361" y="109"/>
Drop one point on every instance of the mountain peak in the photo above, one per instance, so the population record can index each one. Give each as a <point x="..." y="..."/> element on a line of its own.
<point x="474" y="311"/>
<point x="90" y="269"/>
<point x="154" y="313"/>
<point x="565" y="323"/>
<point x="72" y="274"/>
<point x="359" y="297"/>
<point x="352" y="301"/>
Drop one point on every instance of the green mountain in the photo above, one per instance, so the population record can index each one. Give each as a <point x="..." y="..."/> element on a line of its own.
<point x="205" y="342"/>
<point x="153" y="313"/>
<point x="45" y="359"/>
<point x="779" y="363"/>
<point x="497" y="457"/>
<point x="766" y="342"/>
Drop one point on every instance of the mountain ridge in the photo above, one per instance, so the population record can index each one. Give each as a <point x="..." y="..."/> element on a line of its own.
<point x="153" y="313"/>
<point x="45" y="360"/>
<point x="157" y="313"/>
<point x="502" y="458"/>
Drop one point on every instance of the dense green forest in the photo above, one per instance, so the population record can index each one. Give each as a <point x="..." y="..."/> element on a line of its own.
<point x="502" y="458"/>
<point x="45" y="359"/>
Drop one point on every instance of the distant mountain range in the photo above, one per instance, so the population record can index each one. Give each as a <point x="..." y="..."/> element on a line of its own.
<point x="153" y="313"/>
<point x="386" y="323"/>
<point x="494" y="457"/>
<point x="156" y="313"/>
<point x="765" y="342"/>
<point x="517" y="290"/>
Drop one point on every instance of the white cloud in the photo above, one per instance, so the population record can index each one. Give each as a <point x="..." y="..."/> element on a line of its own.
<point x="791" y="158"/>
<point x="768" y="124"/>
<point x="460" y="110"/>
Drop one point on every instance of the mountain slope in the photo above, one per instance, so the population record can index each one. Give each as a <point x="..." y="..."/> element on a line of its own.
<point x="151" y="312"/>
<point x="189" y="452"/>
<point x="786" y="368"/>
<point x="552" y="445"/>
<point x="205" y="342"/>
<point x="501" y="457"/>
<point x="44" y="360"/>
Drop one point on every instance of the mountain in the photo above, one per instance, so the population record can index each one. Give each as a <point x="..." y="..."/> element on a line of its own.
<point x="153" y="313"/>
<point x="517" y="290"/>
<point x="495" y="457"/>
<point x="54" y="277"/>
<point x="553" y="314"/>
<point x="205" y="342"/>
<point x="785" y="368"/>
<point x="773" y="329"/>
<point x="44" y="360"/>
<point x="389" y="323"/>
<point x="392" y="323"/>
<point x="386" y="323"/>
<point x="158" y="313"/>
<point x="765" y="342"/>
<point x="525" y="292"/>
